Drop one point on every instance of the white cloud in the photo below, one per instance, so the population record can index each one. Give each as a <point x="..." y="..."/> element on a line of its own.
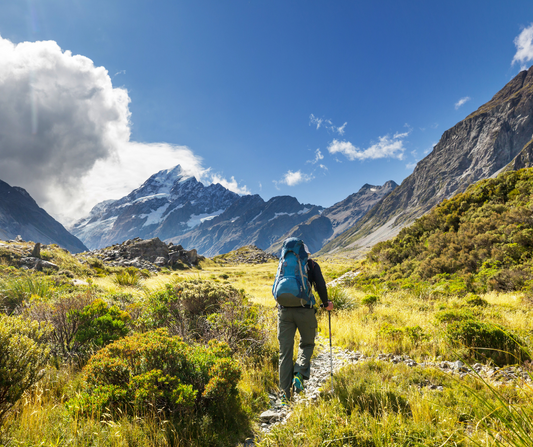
<point x="340" y="130"/>
<point x="461" y="102"/>
<point x="318" y="157"/>
<point x="294" y="178"/>
<point x="323" y="167"/>
<point x="524" y="47"/>
<point x="315" y="121"/>
<point x="427" y="151"/>
<point x="65" y="132"/>
<point x="386" y="147"/>
<point x="231" y="185"/>
<point x="411" y="165"/>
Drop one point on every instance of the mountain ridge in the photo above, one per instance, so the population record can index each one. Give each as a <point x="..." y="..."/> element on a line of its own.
<point x="478" y="147"/>
<point x="21" y="215"/>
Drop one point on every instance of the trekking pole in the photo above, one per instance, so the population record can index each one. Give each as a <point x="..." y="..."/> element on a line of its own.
<point x="330" y="351"/>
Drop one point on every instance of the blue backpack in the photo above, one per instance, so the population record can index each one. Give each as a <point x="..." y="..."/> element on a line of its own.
<point x="291" y="287"/>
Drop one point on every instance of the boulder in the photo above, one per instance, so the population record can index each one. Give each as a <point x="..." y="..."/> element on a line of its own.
<point x="37" y="264"/>
<point x="149" y="250"/>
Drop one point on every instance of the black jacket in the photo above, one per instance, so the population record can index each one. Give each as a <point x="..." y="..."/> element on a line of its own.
<point x="317" y="280"/>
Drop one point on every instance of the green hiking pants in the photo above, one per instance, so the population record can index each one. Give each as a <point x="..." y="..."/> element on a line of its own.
<point x="290" y="319"/>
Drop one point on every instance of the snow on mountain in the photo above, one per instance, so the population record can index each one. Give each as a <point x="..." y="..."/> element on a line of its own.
<point x="166" y="205"/>
<point x="248" y="221"/>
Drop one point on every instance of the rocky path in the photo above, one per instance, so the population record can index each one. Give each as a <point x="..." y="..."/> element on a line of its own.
<point x="320" y="373"/>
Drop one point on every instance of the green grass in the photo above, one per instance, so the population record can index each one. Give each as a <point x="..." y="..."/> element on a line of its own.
<point x="374" y="404"/>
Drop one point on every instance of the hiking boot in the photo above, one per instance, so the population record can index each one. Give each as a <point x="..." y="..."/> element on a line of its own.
<point x="298" y="383"/>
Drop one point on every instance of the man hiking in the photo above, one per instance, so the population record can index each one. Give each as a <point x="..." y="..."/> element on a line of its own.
<point x="292" y="289"/>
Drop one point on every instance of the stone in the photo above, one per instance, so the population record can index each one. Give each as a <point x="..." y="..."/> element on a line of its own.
<point x="457" y="365"/>
<point x="150" y="249"/>
<point x="48" y="265"/>
<point x="270" y="416"/>
<point x="36" y="252"/>
<point x="161" y="261"/>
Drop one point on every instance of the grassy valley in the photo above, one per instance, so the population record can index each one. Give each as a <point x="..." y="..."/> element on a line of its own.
<point x="125" y="357"/>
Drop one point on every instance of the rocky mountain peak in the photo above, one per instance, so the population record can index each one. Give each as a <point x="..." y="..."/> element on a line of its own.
<point x="478" y="147"/>
<point x="167" y="204"/>
<point x="322" y="228"/>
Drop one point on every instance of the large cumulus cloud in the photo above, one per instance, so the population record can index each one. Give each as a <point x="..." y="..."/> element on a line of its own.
<point x="65" y="131"/>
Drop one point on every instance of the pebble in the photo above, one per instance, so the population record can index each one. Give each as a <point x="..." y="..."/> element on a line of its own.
<point x="321" y="372"/>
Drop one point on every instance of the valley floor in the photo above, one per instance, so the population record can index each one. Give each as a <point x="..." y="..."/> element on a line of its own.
<point x="405" y="380"/>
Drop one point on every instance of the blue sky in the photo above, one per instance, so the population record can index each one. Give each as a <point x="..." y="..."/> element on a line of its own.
<point x="305" y="98"/>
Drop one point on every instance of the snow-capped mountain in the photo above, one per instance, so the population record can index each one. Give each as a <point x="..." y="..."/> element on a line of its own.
<point x="166" y="205"/>
<point x="248" y="221"/>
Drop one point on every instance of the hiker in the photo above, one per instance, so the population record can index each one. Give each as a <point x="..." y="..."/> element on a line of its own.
<point x="297" y="274"/>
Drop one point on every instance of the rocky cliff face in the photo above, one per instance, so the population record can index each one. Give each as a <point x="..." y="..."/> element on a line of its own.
<point x="478" y="147"/>
<point x="320" y="229"/>
<point x="167" y="205"/>
<point x="20" y="215"/>
<point x="248" y="221"/>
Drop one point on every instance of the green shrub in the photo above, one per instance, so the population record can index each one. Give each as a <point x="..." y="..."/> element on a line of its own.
<point x="340" y="297"/>
<point x="370" y="301"/>
<point x="487" y="341"/>
<point x="450" y="315"/>
<point x="154" y="372"/>
<point x="62" y="314"/>
<point x="202" y="310"/>
<point x="23" y="355"/>
<point x="100" y="324"/>
<point x="475" y="301"/>
<point x="413" y="333"/>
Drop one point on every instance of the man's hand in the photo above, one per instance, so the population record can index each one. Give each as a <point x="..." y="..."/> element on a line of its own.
<point x="329" y="306"/>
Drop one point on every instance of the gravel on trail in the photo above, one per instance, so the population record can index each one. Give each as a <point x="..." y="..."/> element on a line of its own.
<point x="321" y="371"/>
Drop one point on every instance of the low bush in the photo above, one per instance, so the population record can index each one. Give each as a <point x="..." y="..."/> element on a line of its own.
<point x="128" y="277"/>
<point x="485" y="341"/>
<point x="472" y="300"/>
<point x="155" y="373"/>
<point x="23" y="356"/>
<point x="340" y="297"/>
<point x="81" y="322"/>
<point x="370" y="301"/>
<point x="202" y="310"/>
<point x="14" y="291"/>
<point x="100" y="324"/>
<point x="412" y="333"/>
<point x="451" y="315"/>
<point x="58" y="314"/>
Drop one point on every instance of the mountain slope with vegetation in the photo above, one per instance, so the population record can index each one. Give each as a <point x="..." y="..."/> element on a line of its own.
<point x="484" y="237"/>
<point x="478" y="147"/>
